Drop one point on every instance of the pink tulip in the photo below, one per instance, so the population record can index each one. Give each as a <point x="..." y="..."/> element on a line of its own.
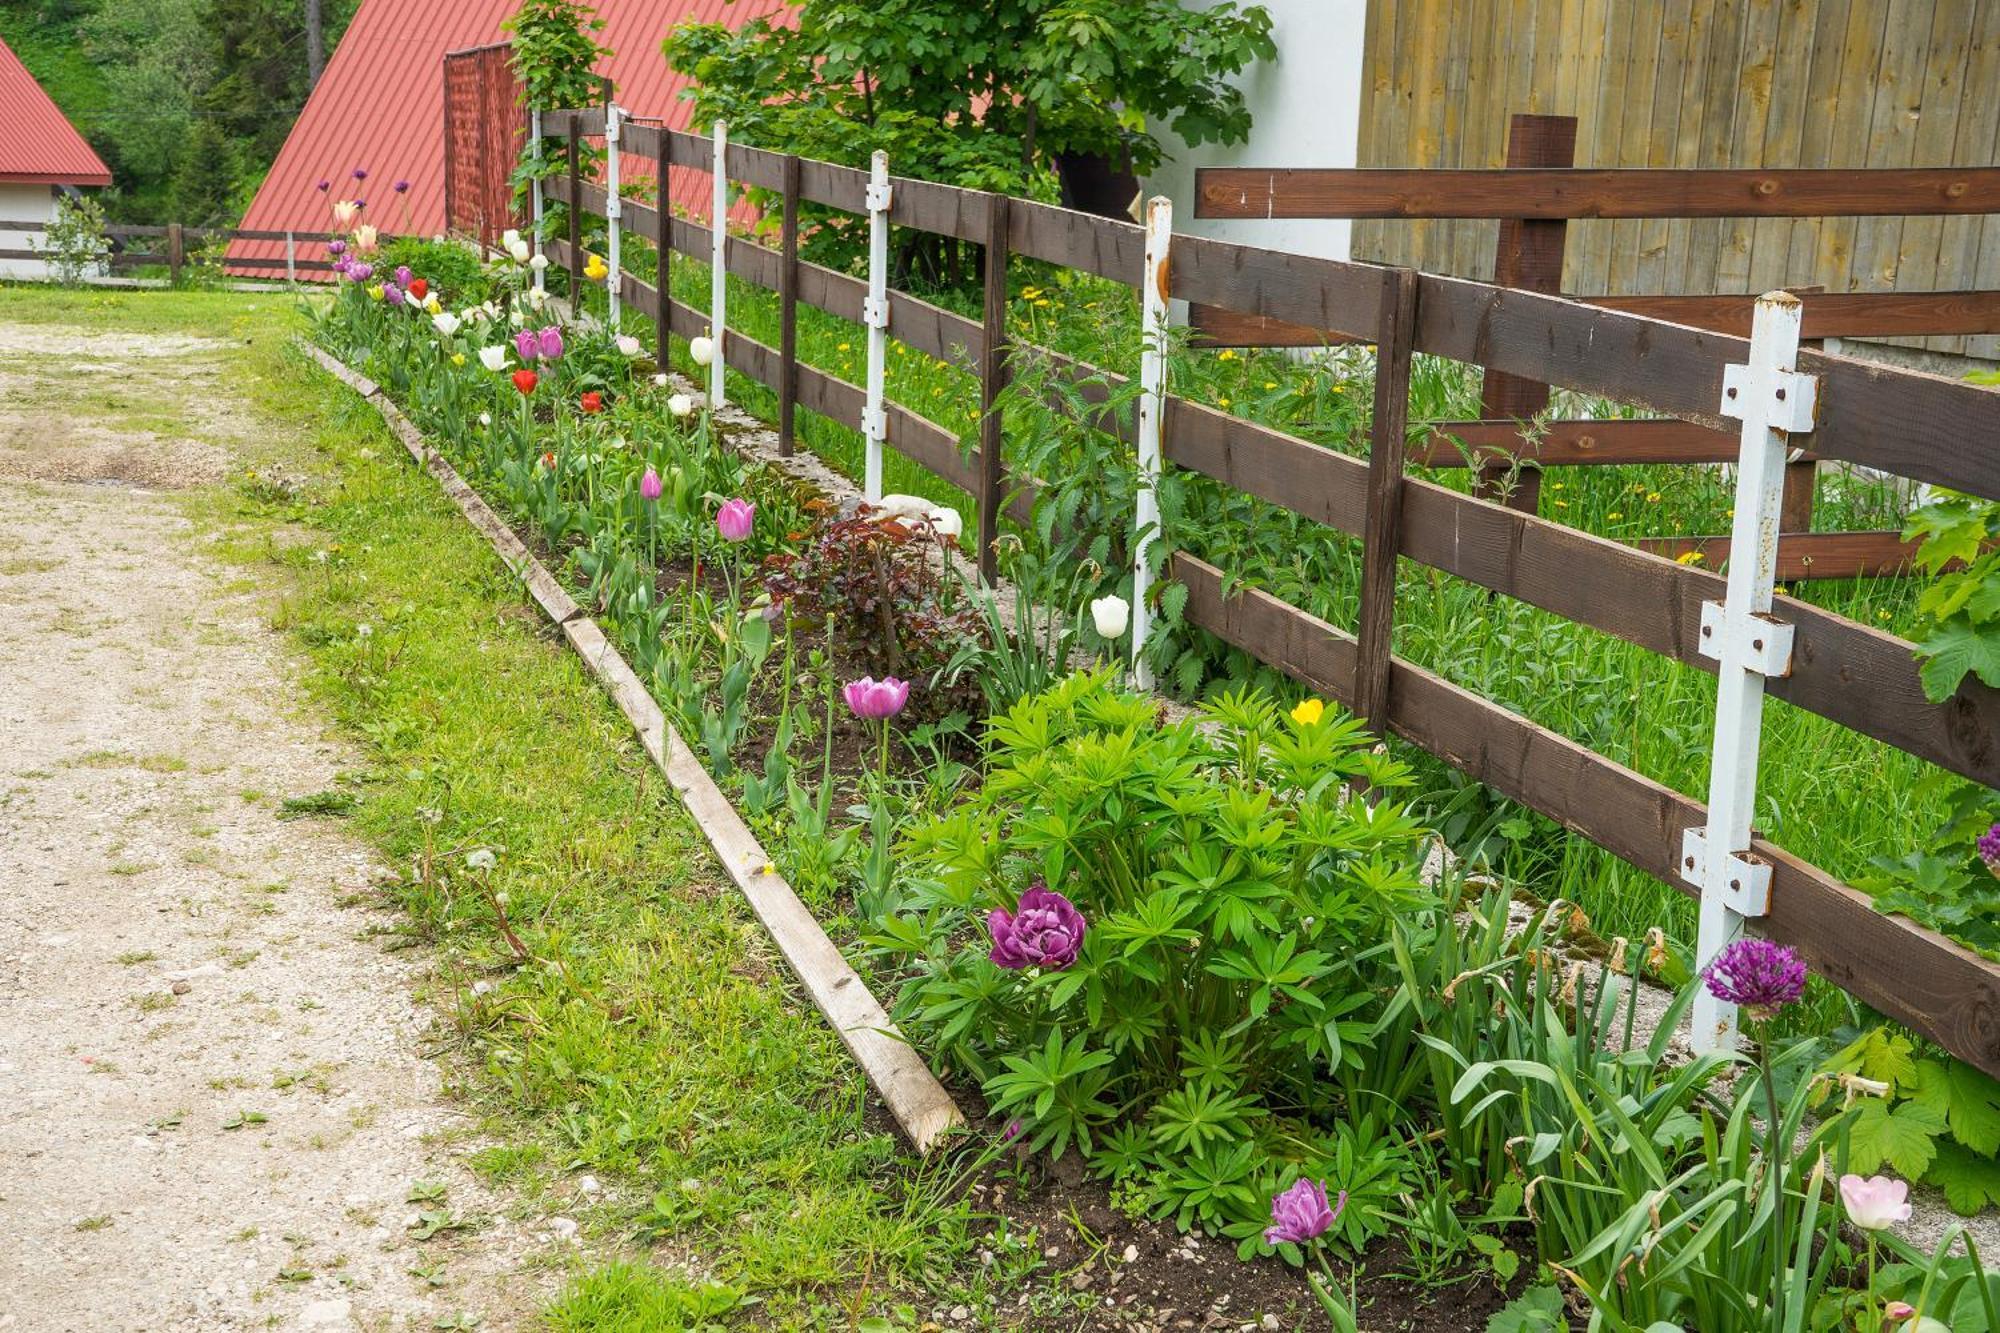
<point x="1875" y="1203"/>
<point x="876" y="700"/>
<point x="650" y="488"/>
<point x="550" y="343"/>
<point x="734" y="521"/>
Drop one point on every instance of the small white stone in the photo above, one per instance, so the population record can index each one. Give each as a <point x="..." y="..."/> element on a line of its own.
<point x="1131" y="1253"/>
<point x="1271" y="1324"/>
<point x="960" y="1313"/>
<point x="565" y="1228"/>
<point x="588" y="1185"/>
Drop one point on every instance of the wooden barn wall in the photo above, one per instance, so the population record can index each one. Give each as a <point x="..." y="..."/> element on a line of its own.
<point x="1699" y="83"/>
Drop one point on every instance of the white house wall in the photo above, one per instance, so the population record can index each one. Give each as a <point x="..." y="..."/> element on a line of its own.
<point x="24" y="203"/>
<point x="1306" y="112"/>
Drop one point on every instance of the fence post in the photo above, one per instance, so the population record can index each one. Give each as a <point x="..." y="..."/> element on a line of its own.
<point x="665" y="261"/>
<point x="992" y="379"/>
<point x="291" y="257"/>
<point x="575" y="221"/>
<point x="176" y="252"/>
<point x="1152" y="412"/>
<point x="718" y="266"/>
<point x="788" y="308"/>
<point x="614" y="209"/>
<point x="1529" y="254"/>
<point x="1395" y="337"/>
<point x="1774" y="403"/>
<point x="535" y="204"/>
<point x="875" y="314"/>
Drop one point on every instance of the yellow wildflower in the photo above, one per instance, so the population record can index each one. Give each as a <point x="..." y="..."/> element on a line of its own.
<point x="1222" y="402"/>
<point x="458" y="358"/>
<point x="842" y="348"/>
<point x="1614" y="516"/>
<point x="1270" y="384"/>
<point x="1652" y="497"/>
<point x="1227" y="354"/>
<point x="1308" y="712"/>
<point x="1688" y="558"/>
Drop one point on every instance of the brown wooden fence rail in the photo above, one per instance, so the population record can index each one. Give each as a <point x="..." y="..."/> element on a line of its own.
<point x="1535" y="196"/>
<point x="1911" y="424"/>
<point x="169" y="244"/>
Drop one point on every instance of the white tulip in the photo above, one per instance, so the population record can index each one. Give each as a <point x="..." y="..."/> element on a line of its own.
<point x="509" y="236"/>
<point x="538" y="263"/>
<point x="445" y="323"/>
<point x="538" y="298"/>
<point x="946" y="522"/>
<point x="493" y="358"/>
<point x="660" y="381"/>
<point x="1111" y="615"/>
<point x="485" y="418"/>
<point x="702" y="350"/>
<point x="628" y="345"/>
<point x="681" y="405"/>
<point x="518" y="250"/>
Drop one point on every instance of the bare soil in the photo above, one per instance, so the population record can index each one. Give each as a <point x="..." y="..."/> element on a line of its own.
<point x="216" y="1107"/>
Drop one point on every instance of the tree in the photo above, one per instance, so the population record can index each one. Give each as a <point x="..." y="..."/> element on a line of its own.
<point x="315" y="44"/>
<point x="205" y="182"/>
<point x="988" y="96"/>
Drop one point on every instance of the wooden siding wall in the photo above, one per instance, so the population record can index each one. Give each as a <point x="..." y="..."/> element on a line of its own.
<point x="1699" y="83"/>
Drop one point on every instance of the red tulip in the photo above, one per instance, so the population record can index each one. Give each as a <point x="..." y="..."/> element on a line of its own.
<point x="549" y="462"/>
<point x="418" y="288"/>
<point x="525" y="380"/>
<point x="593" y="401"/>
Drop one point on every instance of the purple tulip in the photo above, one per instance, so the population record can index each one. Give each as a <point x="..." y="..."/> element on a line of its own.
<point x="1044" y="930"/>
<point x="876" y="700"/>
<point x="650" y="488"/>
<point x="361" y="173"/>
<point x="403" y="275"/>
<point x="1301" y="1213"/>
<point x="550" y="343"/>
<point x="336" y="246"/>
<point x="735" y="519"/>
<point x="1989" y="849"/>
<point x="1758" y="975"/>
<point x="402" y="187"/>
<point x="392" y="293"/>
<point x="361" y="272"/>
<point x="1013" y="1130"/>
<point x="526" y="346"/>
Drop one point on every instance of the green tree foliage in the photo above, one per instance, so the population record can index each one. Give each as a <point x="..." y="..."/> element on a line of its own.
<point x="983" y="95"/>
<point x="204" y="177"/>
<point x="556" y="52"/>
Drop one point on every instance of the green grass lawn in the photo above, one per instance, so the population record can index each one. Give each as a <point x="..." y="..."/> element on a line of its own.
<point x="655" y="1040"/>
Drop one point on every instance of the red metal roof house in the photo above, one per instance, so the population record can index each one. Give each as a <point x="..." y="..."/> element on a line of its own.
<point x="40" y="154"/>
<point x="380" y="109"/>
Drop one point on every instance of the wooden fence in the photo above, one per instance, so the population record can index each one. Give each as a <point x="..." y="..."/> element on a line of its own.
<point x="168" y="246"/>
<point x="1903" y="422"/>
<point x="1699" y="83"/>
<point x="1536" y="198"/>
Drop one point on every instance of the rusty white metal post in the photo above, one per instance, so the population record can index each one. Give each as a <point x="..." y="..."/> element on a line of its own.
<point x="614" y="209"/>
<point x="1152" y="411"/>
<point x="718" y="266"/>
<point x="875" y="314"/>
<point x="1774" y="402"/>
<point x="535" y="205"/>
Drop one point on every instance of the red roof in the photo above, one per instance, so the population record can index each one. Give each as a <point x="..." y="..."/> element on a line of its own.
<point x="380" y="107"/>
<point x="40" y="146"/>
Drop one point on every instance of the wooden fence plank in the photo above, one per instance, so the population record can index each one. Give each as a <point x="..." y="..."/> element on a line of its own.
<point x="1381" y="534"/>
<point x="992" y="380"/>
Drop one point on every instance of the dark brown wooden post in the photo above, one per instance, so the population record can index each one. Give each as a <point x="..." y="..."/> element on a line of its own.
<point x="992" y="379"/>
<point x="176" y="253"/>
<point x="1381" y="533"/>
<point x="575" y="220"/>
<point x="788" y="308"/>
<point x="663" y="270"/>
<point x="1530" y="255"/>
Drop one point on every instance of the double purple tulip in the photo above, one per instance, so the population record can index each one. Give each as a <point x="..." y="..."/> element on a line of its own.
<point x="392" y="293"/>
<point x="876" y="700"/>
<point x="1044" y="930"/>
<point x="1301" y="1213"/>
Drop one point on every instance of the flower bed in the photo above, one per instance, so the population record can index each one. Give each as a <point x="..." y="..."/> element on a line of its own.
<point x="1193" y="956"/>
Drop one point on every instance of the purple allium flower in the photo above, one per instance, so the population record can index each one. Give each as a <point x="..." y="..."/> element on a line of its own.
<point x="1301" y="1213"/>
<point x="403" y="275"/>
<point x="1989" y="848"/>
<point x="1760" y="976"/>
<point x="873" y="700"/>
<point x="650" y="488"/>
<point x="361" y="173"/>
<point x="402" y="187"/>
<point x="324" y="186"/>
<point x="734" y="520"/>
<point x="1044" y="930"/>
<point x="550" y="343"/>
<point x="360" y="204"/>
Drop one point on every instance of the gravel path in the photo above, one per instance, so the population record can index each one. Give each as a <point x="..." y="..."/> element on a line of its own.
<point x="216" y="1110"/>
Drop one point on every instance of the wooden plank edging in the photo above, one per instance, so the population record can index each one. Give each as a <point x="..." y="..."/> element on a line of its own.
<point x="905" y="1083"/>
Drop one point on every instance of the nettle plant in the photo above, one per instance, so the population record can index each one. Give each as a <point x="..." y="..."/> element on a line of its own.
<point x="1150" y="943"/>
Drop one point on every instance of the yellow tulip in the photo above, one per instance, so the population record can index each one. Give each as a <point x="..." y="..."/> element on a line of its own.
<point x="375" y="292"/>
<point x="595" y="269"/>
<point x="1309" y="712"/>
<point x="458" y="358"/>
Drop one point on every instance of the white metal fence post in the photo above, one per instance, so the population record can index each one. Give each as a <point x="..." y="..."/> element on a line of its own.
<point x="535" y="188"/>
<point x="1152" y="410"/>
<point x="614" y="208"/>
<point x="1774" y="402"/>
<point x="875" y="314"/>
<point x="718" y="266"/>
<point x="291" y="257"/>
